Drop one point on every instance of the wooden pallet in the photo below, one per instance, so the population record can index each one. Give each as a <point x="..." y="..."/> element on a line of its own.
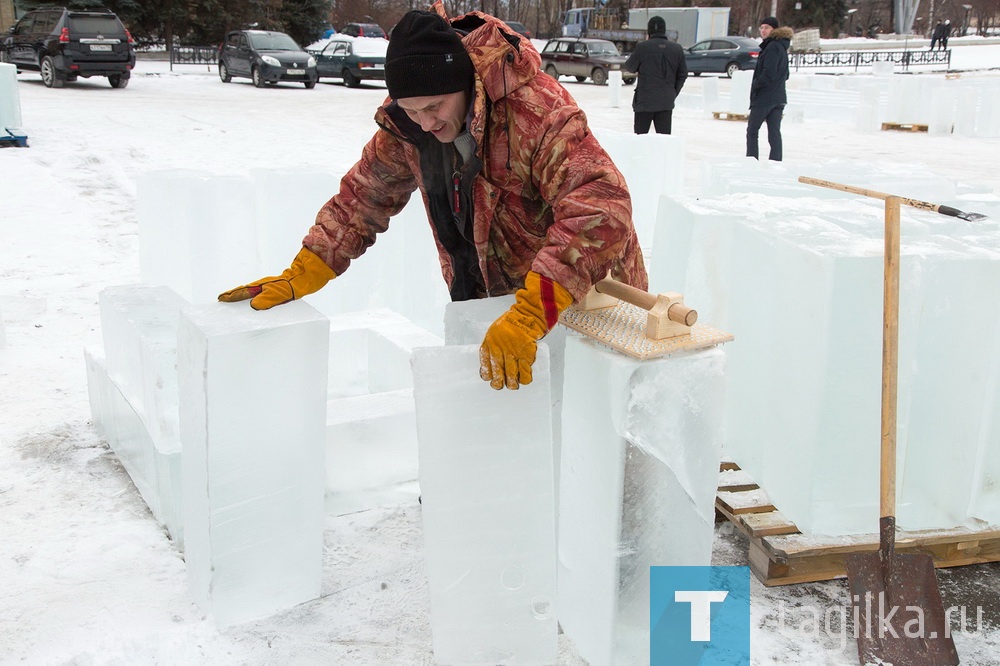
<point x="725" y="115"/>
<point x="904" y="127"/>
<point x="780" y="554"/>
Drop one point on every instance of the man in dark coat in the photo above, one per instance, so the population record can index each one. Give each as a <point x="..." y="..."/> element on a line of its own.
<point x="662" y="71"/>
<point x="936" y="35"/>
<point x="767" y="91"/>
<point x="945" y="34"/>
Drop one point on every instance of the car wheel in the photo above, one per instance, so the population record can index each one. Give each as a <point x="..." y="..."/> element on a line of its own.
<point x="599" y="76"/>
<point x="49" y="76"/>
<point x="551" y="71"/>
<point x="732" y="68"/>
<point x="581" y="79"/>
<point x="224" y="73"/>
<point x="309" y="85"/>
<point x="118" y="81"/>
<point x="258" y="79"/>
<point x="350" y="80"/>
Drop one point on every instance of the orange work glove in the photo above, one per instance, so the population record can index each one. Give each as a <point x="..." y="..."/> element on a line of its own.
<point x="307" y="274"/>
<point x="508" y="350"/>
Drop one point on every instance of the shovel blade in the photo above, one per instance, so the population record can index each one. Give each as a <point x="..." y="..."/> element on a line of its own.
<point x="900" y="615"/>
<point x="973" y="217"/>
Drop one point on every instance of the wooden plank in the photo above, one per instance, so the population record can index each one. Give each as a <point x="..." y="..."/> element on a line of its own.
<point x="736" y="480"/>
<point x="747" y="501"/>
<point x="802" y="545"/>
<point x="727" y="465"/>
<point x="726" y="115"/>
<point x="904" y="127"/>
<point x="771" y="523"/>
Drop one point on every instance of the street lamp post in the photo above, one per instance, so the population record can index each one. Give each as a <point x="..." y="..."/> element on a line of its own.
<point x="850" y="20"/>
<point x="965" y="28"/>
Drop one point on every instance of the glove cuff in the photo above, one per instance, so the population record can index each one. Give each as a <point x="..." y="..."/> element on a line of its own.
<point x="540" y="303"/>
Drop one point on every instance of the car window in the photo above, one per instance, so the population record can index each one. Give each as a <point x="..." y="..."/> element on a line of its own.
<point x="564" y="47"/>
<point x="273" y="41"/>
<point x="24" y="25"/>
<point x="89" y="24"/>
<point x="340" y="49"/>
<point x="722" y="44"/>
<point x="45" y="22"/>
<point x="579" y="49"/>
<point x="244" y="43"/>
<point x="701" y="46"/>
<point x="603" y="48"/>
<point x="550" y="47"/>
<point x="233" y="40"/>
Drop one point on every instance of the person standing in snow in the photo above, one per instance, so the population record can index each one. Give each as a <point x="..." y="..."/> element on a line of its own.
<point x="767" y="91"/>
<point x="662" y="71"/>
<point x="520" y="196"/>
<point x="945" y="34"/>
<point x="936" y="35"/>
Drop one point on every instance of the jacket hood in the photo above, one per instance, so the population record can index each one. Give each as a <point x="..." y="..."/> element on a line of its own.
<point x="784" y="32"/>
<point x="503" y="60"/>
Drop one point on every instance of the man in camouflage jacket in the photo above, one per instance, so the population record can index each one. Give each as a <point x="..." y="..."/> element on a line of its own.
<point x="521" y="197"/>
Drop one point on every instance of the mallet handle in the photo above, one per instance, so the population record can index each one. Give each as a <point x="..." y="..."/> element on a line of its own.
<point x="678" y="312"/>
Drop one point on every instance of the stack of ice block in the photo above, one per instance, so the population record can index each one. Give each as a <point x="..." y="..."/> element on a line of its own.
<point x="253" y="408"/>
<point x="642" y="441"/>
<point x="371" y="425"/>
<point x="134" y="393"/>
<point x="201" y="234"/>
<point x="798" y="281"/>
<point x="488" y="510"/>
<point x="653" y="165"/>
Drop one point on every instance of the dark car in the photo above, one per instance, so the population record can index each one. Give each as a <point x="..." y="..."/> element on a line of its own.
<point x="63" y="44"/>
<point x="265" y="57"/>
<point x="583" y="58"/>
<point x="519" y="28"/>
<point x="725" y="55"/>
<point x="363" y="30"/>
<point x="353" y="59"/>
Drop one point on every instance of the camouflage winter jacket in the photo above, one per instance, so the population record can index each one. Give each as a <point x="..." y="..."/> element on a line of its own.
<point x="546" y="198"/>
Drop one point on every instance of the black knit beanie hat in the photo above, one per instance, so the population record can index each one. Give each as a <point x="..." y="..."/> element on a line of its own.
<point x="425" y="57"/>
<point x="656" y="26"/>
<point x="771" y="21"/>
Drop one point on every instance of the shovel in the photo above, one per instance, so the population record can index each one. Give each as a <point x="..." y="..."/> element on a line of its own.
<point x="898" y="610"/>
<point x="922" y="205"/>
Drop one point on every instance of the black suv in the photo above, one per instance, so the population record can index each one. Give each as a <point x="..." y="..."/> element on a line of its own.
<point x="64" y="44"/>
<point x="265" y="57"/>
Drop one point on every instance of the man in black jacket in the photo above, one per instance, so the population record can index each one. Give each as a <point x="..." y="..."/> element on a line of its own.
<point x="767" y="92"/>
<point x="662" y="70"/>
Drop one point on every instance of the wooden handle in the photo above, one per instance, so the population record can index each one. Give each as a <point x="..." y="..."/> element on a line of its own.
<point x="890" y="359"/>
<point x="678" y="312"/>
<point x="915" y="203"/>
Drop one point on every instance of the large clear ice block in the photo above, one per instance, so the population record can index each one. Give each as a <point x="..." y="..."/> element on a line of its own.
<point x="253" y="422"/>
<point x="488" y="510"/>
<point x="640" y="464"/>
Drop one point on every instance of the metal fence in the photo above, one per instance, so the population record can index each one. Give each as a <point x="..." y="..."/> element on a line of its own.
<point x="857" y="59"/>
<point x="194" y="55"/>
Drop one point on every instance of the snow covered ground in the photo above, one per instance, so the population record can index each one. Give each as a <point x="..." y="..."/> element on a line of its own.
<point x="88" y="577"/>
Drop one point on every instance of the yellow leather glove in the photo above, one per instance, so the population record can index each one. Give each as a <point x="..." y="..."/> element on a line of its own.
<point x="307" y="274"/>
<point x="508" y="350"/>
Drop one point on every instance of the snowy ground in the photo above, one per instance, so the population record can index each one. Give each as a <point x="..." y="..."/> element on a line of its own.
<point x="88" y="577"/>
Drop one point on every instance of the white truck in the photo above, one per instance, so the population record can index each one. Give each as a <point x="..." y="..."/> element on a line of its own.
<point x="685" y="25"/>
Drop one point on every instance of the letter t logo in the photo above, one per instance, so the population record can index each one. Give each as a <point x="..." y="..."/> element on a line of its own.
<point x="701" y="610"/>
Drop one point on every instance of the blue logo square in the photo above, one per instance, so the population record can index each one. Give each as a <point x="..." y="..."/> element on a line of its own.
<point x="699" y="616"/>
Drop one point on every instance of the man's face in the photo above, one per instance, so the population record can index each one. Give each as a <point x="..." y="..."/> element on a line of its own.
<point x="765" y="30"/>
<point x="441" y="115"/>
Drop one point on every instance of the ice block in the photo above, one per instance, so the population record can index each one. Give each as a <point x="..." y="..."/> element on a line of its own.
<point x="253" y="422"/>
<point x="488" y="510"/>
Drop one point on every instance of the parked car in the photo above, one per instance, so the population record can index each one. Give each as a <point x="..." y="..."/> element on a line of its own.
<point x="726" y="55"/>
<point x="519" y="28"/>
<point x="353" y="59"/>
<point x="583" y="58"/>
<point x="265" y="57"/>
<point x="363" y="30"/>
<point x="64" y="44"/>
